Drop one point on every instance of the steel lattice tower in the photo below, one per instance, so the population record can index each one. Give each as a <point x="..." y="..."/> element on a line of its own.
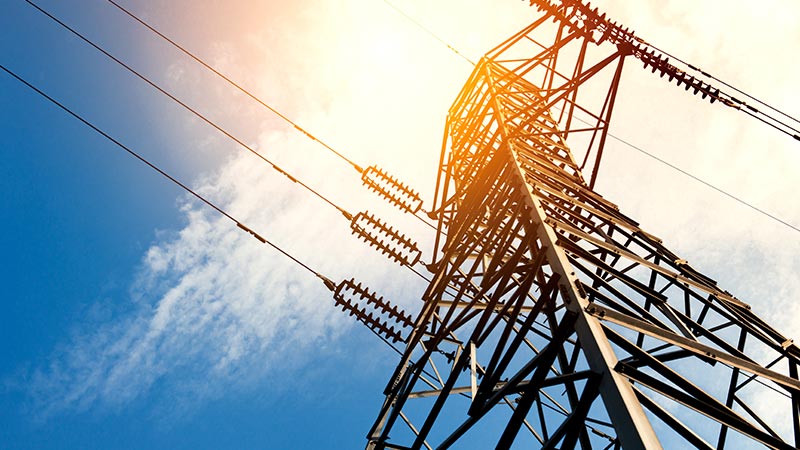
<point x="554" y="320"/>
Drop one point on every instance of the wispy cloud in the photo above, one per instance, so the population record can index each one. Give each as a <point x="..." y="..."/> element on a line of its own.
<point x="211" y="309"/>
<point x="216" y="309"/>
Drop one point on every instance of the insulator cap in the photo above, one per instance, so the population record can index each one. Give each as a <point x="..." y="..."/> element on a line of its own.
<point x="385" y="239"/>
<point x="391" y="189"/>
<point x="373" y="311"/>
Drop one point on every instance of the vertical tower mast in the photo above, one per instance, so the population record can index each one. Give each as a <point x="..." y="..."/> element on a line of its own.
<point x="553" y="320"/>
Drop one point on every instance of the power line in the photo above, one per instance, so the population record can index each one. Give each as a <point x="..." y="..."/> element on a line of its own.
<point x="367" y="319"/>
<point x="192" y="110"/>
<point x="236" y="85"/>
<point x="706" y="183"/>
<point x="646" y="53"/>
<point x="749" y="109"/>
<point x="696" y="178"/>
<point x="428" y="31"/>
<point x="381" y="244"/>
<point x="166" y="175"/>
<point x="330" y="284"/>
<point x="366" y="173"/>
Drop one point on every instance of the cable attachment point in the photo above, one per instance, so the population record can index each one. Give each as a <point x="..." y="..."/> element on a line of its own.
<point x="356" y="300"/>
<point x="251" y="232"/>
<point x="391" y="189"/>
<point x="327" y="282"/>
<point x="387" y="240"/>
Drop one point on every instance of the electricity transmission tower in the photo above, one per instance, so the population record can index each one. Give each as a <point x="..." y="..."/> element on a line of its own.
<point x="553" y="320"/>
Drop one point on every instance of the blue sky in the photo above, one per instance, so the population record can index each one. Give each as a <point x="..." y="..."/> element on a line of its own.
<point x="78" y="217"/>
<point x="131" y="317"/>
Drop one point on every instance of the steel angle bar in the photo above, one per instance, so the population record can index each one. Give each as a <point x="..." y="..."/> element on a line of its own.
<point x="704" y="404"/>
<point x="672" y="421"/>
<point x="538" y="365"/>
<point x="641" y="261"/>
<point x="571" y="428"/>
<point x="693" y="346"/>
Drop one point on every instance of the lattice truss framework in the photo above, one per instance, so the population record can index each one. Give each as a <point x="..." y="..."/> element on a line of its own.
<point x="553" y="320"/>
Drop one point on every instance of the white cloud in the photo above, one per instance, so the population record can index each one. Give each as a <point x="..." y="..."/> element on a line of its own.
<point x="221" y="310"/>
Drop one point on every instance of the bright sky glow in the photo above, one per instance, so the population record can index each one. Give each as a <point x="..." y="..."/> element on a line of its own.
<point x="133" y="317"/>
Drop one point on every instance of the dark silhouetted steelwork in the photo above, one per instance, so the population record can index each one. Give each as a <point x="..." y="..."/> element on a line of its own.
<point x="385" y="238"/>
<point x="375" y="312"/>
<point x="553" y="320"/>
<point x="391" y="189"/>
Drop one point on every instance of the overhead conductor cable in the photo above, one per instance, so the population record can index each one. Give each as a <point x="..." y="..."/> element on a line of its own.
<point x="374" y="178"/>
<point x="189" y="108"/>
<point x="393" y="246"/>
<point x="163" y="173"/>
<point x="375" y="312"/>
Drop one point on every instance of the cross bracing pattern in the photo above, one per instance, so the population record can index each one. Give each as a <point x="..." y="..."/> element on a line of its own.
<point x="554" y="320"/>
